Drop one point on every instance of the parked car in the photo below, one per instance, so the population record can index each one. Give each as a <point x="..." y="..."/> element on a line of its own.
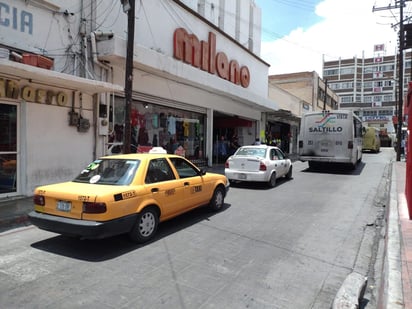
<point x="261" y="163"/>
<point x="129" y="193"/>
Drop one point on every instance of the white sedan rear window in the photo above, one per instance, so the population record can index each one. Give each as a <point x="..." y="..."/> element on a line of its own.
<point x="255" y="152"/>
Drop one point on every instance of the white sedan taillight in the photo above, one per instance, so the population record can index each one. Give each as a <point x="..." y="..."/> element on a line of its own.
<point x="262" y="166"/>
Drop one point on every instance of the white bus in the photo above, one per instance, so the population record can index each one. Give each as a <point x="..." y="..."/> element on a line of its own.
<point x="330" y="137"/>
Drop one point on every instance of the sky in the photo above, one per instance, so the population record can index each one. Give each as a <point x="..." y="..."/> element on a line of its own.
<point x="298" y="35"/>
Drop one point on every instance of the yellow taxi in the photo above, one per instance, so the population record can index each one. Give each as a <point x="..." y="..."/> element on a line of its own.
<point x="128" y="193"/>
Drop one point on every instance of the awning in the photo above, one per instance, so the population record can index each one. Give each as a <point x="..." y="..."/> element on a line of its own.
<point x="282" y="114"/>
<point x="21" y="71"/>
<point x="231" y="122"/>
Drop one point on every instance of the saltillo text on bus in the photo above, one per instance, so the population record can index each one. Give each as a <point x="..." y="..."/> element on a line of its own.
<point x="330" y="137"/>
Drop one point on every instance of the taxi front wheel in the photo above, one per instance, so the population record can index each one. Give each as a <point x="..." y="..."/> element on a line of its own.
<point x="216" y="203"/>
<point x="145" y="226"/>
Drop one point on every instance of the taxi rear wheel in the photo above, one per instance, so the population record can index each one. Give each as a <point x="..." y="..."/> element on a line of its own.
<point x="145" y="226"/>
<point x="217" y="201"/>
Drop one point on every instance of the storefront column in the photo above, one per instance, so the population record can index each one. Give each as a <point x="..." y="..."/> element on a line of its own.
<point x="262" y="127"/>
<point x="209" y="136"/>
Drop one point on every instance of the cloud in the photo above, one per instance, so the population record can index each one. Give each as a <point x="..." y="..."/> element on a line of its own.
<point x="348" y="29"/>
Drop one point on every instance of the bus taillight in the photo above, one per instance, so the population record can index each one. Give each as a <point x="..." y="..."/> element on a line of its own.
<point x="350" y="144"/>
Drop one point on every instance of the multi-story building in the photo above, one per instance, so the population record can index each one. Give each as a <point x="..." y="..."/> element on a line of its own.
<point x="309" y="87"/>
<point x="197" y="77"/>
<point x="369" y="86"/>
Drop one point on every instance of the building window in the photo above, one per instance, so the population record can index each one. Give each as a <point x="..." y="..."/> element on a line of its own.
<point x="321" y="94"/>
<point x="386" y="112"/>
<point x="387" y="68"/>
<point x="347" y="85"/>
<point x="346" y="99"/>
<point x="369" y="113"/>
<point x="334" y="86"/>
<point x="377" y="98"/>
<point x="330" y="72"/>
<point x="155" y="125"/>
<point x="367" y="84"/>
<point x="346" y="71"/>
<point x="388" y="98"/>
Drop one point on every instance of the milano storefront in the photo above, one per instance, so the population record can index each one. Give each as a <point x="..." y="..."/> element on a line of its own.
<point x="187" y="101"/>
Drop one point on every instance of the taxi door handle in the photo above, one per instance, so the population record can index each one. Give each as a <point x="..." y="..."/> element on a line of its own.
<point x="155" y="190"/>
<point x="186" y="183"/>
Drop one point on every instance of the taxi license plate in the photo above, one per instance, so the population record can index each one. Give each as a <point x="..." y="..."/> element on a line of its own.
<point x="64" y="206"/>
<point x="242" y="176"/>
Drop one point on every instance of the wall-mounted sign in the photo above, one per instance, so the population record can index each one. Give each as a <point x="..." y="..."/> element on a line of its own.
<point x="15" y="18"/>
<point x="11" y="89"/>
<point x="375" y="118"/>
<point x="203" y="55"/>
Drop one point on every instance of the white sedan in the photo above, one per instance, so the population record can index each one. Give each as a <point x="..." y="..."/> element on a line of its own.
<point x="261" y="163"/>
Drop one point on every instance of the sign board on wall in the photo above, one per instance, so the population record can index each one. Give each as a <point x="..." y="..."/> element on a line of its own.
<point x="203" y="55"/>
<point x="11" y="89"/>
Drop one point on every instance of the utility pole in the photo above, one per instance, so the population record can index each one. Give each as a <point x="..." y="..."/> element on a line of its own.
<point x="129" y="8"/>
<point x="398" y="4"/>
<point x="400" y="105"/>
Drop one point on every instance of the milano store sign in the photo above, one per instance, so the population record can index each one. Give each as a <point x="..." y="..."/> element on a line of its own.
<point x="203" y="55"/>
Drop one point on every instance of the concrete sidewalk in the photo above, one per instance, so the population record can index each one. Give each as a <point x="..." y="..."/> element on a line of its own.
<point x="13" y="212"/>
<point x="398" y="253"/>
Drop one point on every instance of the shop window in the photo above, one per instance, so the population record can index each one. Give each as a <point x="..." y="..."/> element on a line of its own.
<point x="8" y="148"/>
<point x="177" y="131"/>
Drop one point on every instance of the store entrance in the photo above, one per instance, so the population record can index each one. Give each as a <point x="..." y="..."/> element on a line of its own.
<point x="278" y="133"/>
<point x="229" y="133"/>
<point x="8" y="149"/>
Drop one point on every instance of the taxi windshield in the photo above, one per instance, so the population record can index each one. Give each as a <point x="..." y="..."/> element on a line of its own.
<point x="109" y="172"/>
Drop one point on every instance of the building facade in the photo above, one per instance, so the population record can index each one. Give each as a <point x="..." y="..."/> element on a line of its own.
<point x="297" y="93"/>
<point x="309" y="87"/>
<point x="282" y="125"/>
<point x="197" y="80"/>
<point x="369" y="86"/>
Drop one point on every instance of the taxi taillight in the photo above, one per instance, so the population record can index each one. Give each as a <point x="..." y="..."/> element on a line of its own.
<point x="39" y="200"/>
<point x="94" y="208"/>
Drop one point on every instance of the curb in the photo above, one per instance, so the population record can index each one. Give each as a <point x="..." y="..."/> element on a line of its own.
<point x="391" y="284"/>
<point x="14" y="221"/>
<point x="351" y="291"/>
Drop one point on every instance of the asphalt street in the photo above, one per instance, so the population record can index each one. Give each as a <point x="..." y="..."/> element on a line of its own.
<point x="292" y="246"/>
